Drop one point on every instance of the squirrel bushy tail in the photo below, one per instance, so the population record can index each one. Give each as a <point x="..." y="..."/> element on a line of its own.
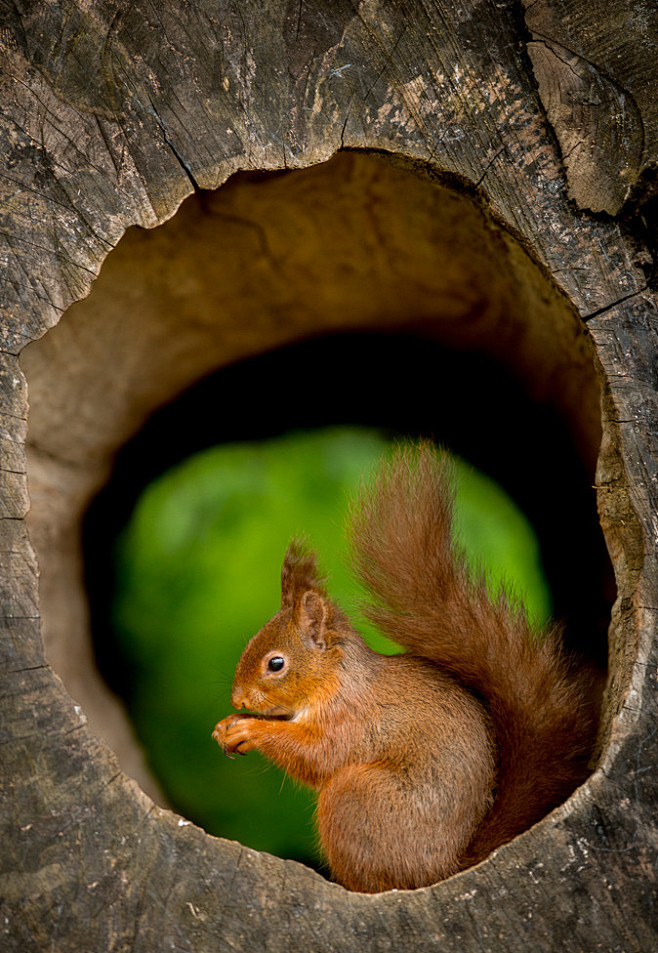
<point x="427" y="600"/>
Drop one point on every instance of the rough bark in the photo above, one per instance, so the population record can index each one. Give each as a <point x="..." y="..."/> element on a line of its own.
<point x="112" y="114"/>
<point x="597" y="69"/>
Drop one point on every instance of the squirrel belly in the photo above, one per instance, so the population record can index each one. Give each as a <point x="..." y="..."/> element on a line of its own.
<point x="427" y="761"/>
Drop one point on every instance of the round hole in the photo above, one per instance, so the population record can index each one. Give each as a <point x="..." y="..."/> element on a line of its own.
<point x="360" y="291"/>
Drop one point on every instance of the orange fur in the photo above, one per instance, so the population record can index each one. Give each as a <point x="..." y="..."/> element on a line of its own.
<point x="426" y="600"/>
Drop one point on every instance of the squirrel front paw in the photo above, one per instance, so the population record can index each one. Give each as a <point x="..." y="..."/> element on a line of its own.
<point x="232" y="734"/>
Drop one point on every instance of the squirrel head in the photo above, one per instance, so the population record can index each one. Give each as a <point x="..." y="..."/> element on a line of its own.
<point x="292" y="662"/>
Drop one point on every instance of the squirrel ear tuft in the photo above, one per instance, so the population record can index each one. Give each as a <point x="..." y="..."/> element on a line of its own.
<point x="312" y="618"/>
<point x="299" y="574"/>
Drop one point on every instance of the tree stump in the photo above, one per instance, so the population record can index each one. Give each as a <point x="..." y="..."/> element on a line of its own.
<point x="423" y="194"/>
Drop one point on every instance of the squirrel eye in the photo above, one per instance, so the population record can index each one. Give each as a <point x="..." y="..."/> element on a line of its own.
<point x="276" y="663"/>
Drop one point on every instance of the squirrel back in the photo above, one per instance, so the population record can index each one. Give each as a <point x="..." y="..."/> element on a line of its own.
<point x="425" y="598"/>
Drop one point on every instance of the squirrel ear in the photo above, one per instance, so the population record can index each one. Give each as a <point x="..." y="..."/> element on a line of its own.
<point x="299" y="573"/>
<point x="312" y="618"/>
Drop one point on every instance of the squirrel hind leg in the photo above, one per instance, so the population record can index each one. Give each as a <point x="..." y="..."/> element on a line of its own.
<point x="371" y="851"/>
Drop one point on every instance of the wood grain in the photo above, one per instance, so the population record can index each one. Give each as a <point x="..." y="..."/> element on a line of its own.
<point x="597" y="69"/>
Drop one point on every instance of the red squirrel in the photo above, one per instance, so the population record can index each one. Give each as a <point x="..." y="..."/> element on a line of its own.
<point x="426" y="761"/>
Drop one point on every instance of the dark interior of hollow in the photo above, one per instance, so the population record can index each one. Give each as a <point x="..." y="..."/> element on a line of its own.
<point x="404" y="384"/>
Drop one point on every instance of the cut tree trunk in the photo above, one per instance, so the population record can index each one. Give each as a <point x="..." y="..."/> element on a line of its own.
<point x="435" y="188"/>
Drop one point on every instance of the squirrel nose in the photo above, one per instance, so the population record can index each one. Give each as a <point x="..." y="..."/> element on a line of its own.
<point x="238" y="699"/>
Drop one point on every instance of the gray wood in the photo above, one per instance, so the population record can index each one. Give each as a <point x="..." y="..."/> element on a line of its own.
<point x="114" y="112"/>
<point x="597" y="69"/>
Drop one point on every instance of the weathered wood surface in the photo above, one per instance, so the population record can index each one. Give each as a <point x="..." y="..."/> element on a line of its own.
<point x="112" y="114"/>
<point x="597" y="69"/>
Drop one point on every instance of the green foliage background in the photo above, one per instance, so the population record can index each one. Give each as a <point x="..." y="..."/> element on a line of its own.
<point x="198" y="575"/>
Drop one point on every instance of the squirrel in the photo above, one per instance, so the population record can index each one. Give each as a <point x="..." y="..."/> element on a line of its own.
<point x="426" y="761"/>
